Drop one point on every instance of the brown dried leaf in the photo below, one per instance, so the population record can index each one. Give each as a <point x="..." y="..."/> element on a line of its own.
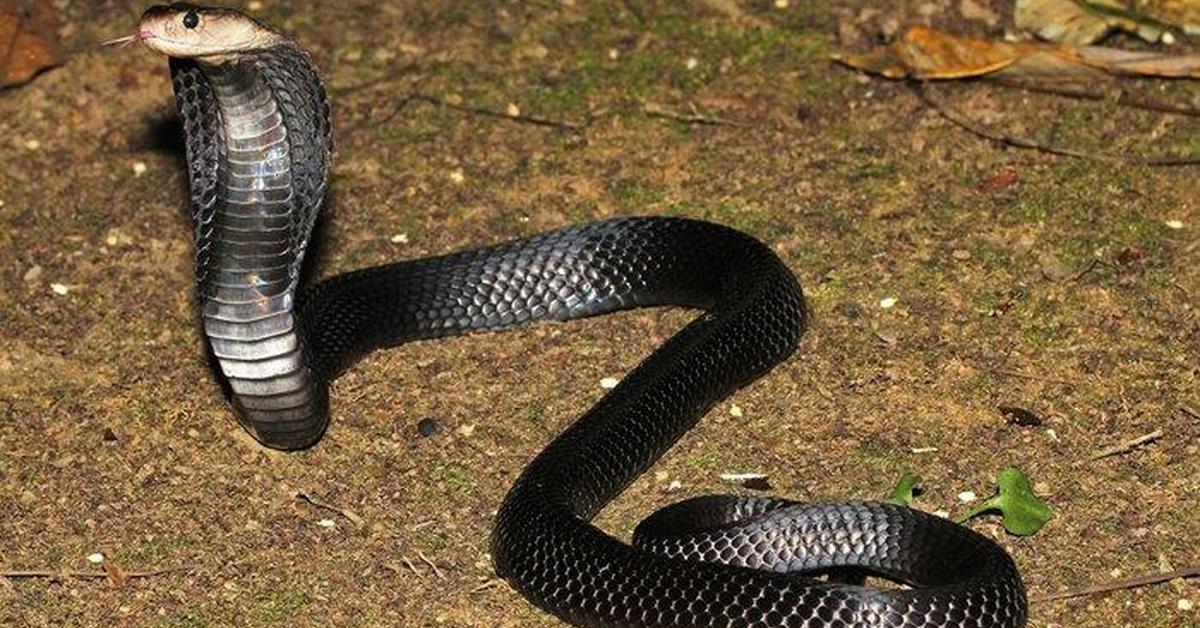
<point x="1080" y="22"/>
<point x="926" y="54"/>
<point x="116" y="575"/>
<point x="28" y="40"/>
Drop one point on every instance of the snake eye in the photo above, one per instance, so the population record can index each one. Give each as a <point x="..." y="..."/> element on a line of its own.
<point x="191" y="19"/>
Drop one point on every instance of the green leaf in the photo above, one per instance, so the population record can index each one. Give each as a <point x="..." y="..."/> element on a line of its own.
<point x="1024" y="514"/>
<point x="902" y="494"/>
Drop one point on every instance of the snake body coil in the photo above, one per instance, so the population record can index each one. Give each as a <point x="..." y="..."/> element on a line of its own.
<point x="256" y="122"/>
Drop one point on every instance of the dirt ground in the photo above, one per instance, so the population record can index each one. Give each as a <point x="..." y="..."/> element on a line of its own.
<point x="1067" y="287"/>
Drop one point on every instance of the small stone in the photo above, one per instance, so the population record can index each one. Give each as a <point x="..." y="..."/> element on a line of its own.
<point x="254" y="5"/>
<point x="32" y="144"/>
<point x="400" y="238"/>
<point x="457" y="176"/>
<point x="139" y="168"/>
<point x="59" y="289"/>
<point x="512" y="110"/>
<point x="427" y="427"/>
<point x="961" y="255"/>
<point x="887" y="303"/>
<point x="95" y="558"/>
<point x="453" y="100"/>
<point x="33" y="274"/>
<point x="108" y="436"/>
<point x="781" y="4"/>
<point x="692" y="63"/>
<point x="613" y="53"/>
<point x="967" y="496"/>
<point x="465" y="430"/>
<point x="609" y="382"/>
<point x="193" y="432"/>
<point x="326" y="523"/>
<point x="1174" y="224"/>
<point x="944" y="514"/>
<point x="735" y="411"/>
<point x="1184" y="604"/>
<point x="675" y="485"/>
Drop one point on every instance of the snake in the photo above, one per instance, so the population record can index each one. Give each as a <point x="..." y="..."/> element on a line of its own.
<point x="257" y="127"/>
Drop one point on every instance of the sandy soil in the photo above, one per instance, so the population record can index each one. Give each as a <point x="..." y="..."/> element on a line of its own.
<point x="1067" y="287"/>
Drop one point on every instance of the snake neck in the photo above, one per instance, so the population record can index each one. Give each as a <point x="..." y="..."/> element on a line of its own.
<point x="257" y="135"/>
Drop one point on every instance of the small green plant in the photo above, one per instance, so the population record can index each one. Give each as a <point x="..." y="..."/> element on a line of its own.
<point x="1023" y="513"/>
<point x="902" y="493"/>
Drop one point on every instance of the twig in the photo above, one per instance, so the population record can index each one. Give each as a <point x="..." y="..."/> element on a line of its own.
<point x="557" y="124"/>
<point x="1127" y="446"/>
<point x="432" y="565"/>
<point x="345" y="512"/>
<point x="1117" y="585"/>
<point x="1086" y="269"/>
<point x="962" y="121"/>
<point x="1122" y="97"/>
<point x="655" y="110"/>
<point x="411" y="567"/>
<point x="488" y="584"/>
<point x="1190" y="412"/>
<point x="43" y="573"/>
<point x="1036" y="378"/>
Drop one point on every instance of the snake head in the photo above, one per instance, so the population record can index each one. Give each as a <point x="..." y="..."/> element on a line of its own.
<point x="187" y="31"/>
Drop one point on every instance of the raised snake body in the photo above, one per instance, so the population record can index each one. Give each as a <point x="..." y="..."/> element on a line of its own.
<point x="257" y="131"/>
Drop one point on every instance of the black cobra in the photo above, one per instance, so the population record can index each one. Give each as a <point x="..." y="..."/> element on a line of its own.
<point x="258" y="149"/>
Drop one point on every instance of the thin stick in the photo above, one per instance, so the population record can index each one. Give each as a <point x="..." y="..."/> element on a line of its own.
<point x="1127" y="446"/>
<point x="43" y="573"/>
<point x="558" y="124"/>
<point x="695" y="117"/>
<point x="1190" y="412"/>
<point x="1031" y="377"/>
<point x="1118" y="585"/>
<point x="962" y="121"/>
<point x="1122" y="97"/>
<point x="432" y="565"/>
<point x="345" y="512"/>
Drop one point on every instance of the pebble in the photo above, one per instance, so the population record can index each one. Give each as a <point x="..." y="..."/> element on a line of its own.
<point x="614" y="54"/>
<point x="427" y="427"/>
<point x="139" y="168"/>
<point x="1184" y="604"/>
<point x="966" y="496"/>
<point x="400" y="238"/>
<point x="457" y="176"/>
<point x="944" y="514"/>
<point x="609" y="382"/>
<point x="254" y="5"/>
<point x="675" y="485"/>
<point x="59" y="289"/>
<point x="33" y="274"/>
<point x="887" y="303"/>
<point x="1175" y="224"/>
<point x="95" y="558"/>
<point x="466" y="430"/>
<point x="33" y="144"/>
<point x="326" y="523"/>
<point x="512" y="110"/>
<point x="692" y="63"/>
<point x="735" y="411"/>
<point x="781" y="4"/>
<point x="961" y="255"/>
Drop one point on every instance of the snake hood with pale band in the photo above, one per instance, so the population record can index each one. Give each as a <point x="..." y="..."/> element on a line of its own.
<point x="256" y="122"/>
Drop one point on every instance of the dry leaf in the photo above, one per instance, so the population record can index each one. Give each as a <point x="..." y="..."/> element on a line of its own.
<point x="1080" y="22"/>
<point x="116" y="575"/>
<point x="28" y="40"/>
<point x="927" y="54"/>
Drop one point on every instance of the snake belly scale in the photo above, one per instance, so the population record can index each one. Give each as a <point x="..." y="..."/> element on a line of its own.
<point x="257" y="125"/>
